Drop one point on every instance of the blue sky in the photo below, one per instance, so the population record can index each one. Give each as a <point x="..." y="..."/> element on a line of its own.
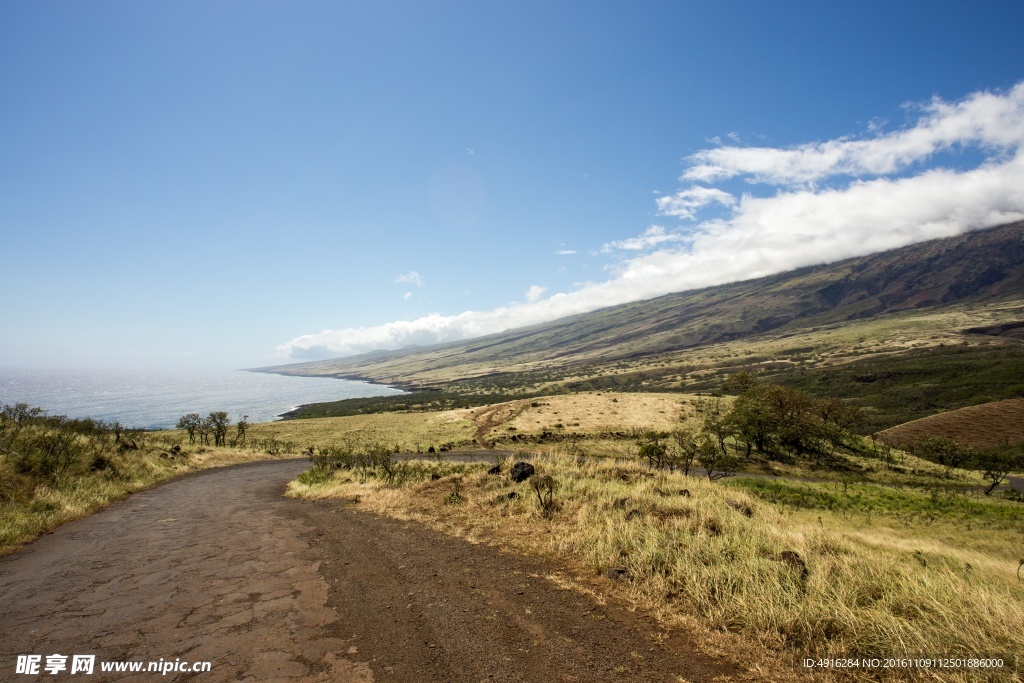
<point x="235" y="184"/>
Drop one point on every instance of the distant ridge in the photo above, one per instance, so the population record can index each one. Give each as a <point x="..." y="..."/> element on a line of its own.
<point x="975" y="267"/>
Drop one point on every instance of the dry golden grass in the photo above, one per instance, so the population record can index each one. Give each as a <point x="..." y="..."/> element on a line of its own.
<point x="981" y="426"/>
<point x="712" y="561"/>
<point x="407" y="431"/>
<point x="591" y="413"/>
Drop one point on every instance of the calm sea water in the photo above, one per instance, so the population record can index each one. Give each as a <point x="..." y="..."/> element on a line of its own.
<point x="154" y="400"/>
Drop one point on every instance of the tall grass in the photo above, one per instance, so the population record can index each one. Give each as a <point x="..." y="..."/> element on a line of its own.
<point x="722" y="557"/>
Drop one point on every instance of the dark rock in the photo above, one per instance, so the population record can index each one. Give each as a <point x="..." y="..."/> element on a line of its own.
<point x="434" y="476"/>
<point x="620" y="503"/>
<point x="618" y="572"/>
<point x="522" y="471"/>
<point x="793" y="559"/>
<point x="431" y="450"/>
<point x="685" y="493"/>
<point x="495" y="470"/>
<point x="175" y="449"/>
<point x="634" y="514"/>
<point x="512" y="495"/>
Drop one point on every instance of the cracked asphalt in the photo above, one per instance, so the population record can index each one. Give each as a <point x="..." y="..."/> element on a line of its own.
<point x="219" y="566"/>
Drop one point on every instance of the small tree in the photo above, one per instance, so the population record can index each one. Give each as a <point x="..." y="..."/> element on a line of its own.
<point x="653" y="450"/>
<point x="712" y="458"/>
<point x="838" y="412"/>
<point x="741" y="382"/>
<point x="240" y="429"/>
<point x="687" y="447"/>
<point x="191" y="424"/>
<point x="755" y="421"/>
<point x="944" y="451"/>
<point x="218" y="424"/>
<point x="996" y="463"/>
<point x="718" y="424"/>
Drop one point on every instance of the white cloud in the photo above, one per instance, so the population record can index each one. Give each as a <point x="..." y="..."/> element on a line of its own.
<point x="411" y="278"/>
<point x="686" y="203"/>
<point x="534" y="293"/>
<point x="796" y="224"/>
<point x="565" y="252"/>
<point x="989" y="121"/>
<point x="407" y="296"/>
<point x="652" y="237"/>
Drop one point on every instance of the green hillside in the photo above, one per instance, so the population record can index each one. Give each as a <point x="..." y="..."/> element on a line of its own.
<point x="953" y="274"/>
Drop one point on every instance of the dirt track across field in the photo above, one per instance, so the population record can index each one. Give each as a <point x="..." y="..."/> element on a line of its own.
<point x="218" y="566"/>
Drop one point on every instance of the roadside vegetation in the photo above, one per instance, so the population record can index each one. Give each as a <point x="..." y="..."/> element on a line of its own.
<point x="54" y="469"/>
<point x="857" y="550"/>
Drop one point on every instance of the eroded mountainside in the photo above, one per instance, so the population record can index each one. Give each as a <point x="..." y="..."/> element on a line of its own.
<point x="969" y="270"/>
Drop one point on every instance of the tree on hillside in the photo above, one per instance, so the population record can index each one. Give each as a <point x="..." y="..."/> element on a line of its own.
<point x="190" y="423"/>
<point x="240" y="429"/>
<point x="715" y="461"/>
<point x="687" y="447"/>
<point x="718" y="424"/>
<point x="944" y="451"/>
<point x="837" y="412"/>
<point x="219" y="422"/>
<point x="741" y="382"/>
<point x="996" y="463"/>
<point x="653" y="449"/>
<point x="776" y="419"/>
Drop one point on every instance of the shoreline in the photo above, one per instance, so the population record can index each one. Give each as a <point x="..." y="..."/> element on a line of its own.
<point x="153" y="399"/>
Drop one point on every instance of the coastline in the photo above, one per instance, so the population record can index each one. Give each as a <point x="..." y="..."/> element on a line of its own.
<point x="156" y="399"/>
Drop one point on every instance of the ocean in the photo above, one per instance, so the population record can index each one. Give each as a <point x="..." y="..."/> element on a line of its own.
<point x="155" y="400"/>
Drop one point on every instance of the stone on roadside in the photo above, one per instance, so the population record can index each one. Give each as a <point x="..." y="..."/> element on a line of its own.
<point x="522" y="471"/>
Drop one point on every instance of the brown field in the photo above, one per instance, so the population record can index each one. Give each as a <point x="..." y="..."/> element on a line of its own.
<point x="404" y="431"/>
<point x="585" y="413"/>
<point x="981" y="426"/>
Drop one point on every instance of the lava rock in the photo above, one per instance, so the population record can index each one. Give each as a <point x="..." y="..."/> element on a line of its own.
<point x="495" y="470"/>
<point x="522" y="471"/>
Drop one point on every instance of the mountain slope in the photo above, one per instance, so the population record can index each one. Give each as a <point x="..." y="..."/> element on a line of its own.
<point x="977" y="267"/>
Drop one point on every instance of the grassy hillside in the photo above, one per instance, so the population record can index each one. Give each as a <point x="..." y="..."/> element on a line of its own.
<point x="981" y="426"/>
<point x="977" y="268"/>
<point x="762" y="571"/>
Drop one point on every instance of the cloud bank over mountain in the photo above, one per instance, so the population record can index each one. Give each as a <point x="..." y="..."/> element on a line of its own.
<point x="958" y="166"/>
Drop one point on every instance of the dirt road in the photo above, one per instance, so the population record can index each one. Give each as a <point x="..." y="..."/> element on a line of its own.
<point x="219" y="567"/>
